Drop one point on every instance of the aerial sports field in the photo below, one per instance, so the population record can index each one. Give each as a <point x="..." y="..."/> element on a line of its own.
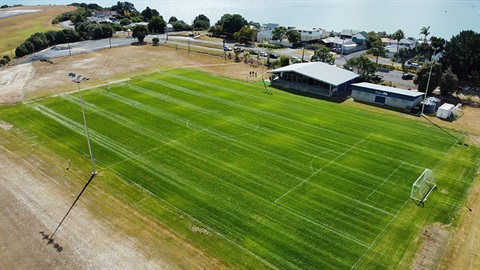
<point x="266" y="179"/>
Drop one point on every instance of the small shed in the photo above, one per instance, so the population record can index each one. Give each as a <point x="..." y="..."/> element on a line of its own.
<point x="445" y="110"/>
<point x="385" y="95"/>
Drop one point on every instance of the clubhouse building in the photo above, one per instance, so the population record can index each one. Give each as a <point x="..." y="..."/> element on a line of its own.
<point x="385" y="95"/>
<point x="315" y="77"/>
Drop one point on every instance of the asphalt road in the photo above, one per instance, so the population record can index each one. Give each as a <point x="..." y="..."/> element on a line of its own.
<point x="62" y="50"/>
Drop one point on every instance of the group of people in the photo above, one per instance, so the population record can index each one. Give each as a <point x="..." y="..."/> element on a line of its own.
<point x="253" y="74"/>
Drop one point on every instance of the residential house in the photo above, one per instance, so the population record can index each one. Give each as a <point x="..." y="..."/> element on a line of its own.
<point x="308" y="34"/>
<point x="265" y="34"/>
<point x="340" y="45"/>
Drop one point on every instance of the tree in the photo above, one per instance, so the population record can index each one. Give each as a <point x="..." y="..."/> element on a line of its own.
<point x="279" y="33"/>
<point x="462" y="54"/>
<point x="423" y="73"/>
<point x="201" y="22"/>
<point x="293" y="36"/>
<point x="425" y="32"/>
<point x="172" y="20"/>
<point x="377" y="49"/>
<point x="362" y="65"/>
<point x="322" y="54"/>
<point x="140" y="32"/>
<point x="157" y="25"/>
<point x="181" y="26"/>
<point x="398" y="35"/>
<point x="148" y="14"/>
<point x="284" y="61"/>
<point x="232" y="23"/>
<point x="448" y="83"/>
<point x="245" y="35"/>
<point x="255" y="25"/>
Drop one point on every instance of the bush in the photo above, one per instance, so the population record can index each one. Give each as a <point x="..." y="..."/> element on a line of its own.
<point x="4" y="60"/>
<point x="155" y="41"/>
<point x="269" y="46"/>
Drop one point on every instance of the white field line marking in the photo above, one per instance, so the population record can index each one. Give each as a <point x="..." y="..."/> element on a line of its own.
<point x="445" y="155"/>
<point x="265" y="262"/>
<point x="315" y="157"/>
<point x="50" y="133"/>
<point x="386" y="179"/>
<point x="322" y="225"/>
<point x="301" y="183"/>
<point x="378" y="236"/>
<point x="75" y="91"/>
<point x="353" y="183"/>
<point x="349" y="198"/>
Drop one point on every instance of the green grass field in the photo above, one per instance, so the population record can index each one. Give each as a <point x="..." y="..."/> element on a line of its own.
<point x="278" y="180"/>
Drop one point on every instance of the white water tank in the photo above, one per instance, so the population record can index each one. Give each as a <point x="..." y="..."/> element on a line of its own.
<point x="445" y="110"/>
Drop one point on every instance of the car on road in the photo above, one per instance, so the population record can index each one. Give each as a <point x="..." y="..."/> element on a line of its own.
<point x="227" y="48"/>
<point x="239" y="47"/>
<point x="407" y="76"/>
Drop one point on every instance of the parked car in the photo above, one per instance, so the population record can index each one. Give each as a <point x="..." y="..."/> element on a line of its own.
<point x="227" y="48"/>
<point x="377" y="78"/>
<point x="253" y="52"/>
<point x="407" y="76"/>
<point x="263" y="54"/>
<point x="273" y="56"/>
<point x="239" y="47"/>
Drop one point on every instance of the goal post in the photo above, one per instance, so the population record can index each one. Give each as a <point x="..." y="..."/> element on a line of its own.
<point x="422" y="187"/>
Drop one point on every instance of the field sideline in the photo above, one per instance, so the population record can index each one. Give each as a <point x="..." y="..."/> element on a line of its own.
<point x="272" y="181"/>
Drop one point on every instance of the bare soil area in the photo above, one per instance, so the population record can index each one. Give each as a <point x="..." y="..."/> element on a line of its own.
<point x="435" y="239"/>
<point x="33" y="201"/>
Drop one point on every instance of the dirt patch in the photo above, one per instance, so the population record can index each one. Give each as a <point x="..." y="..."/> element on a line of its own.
<point x="5" y="125"/>
<point x="463" y="252"/>
<point x="435" y="239"/>
<point x="32" y="207"/>
<point x="13" y="82"/>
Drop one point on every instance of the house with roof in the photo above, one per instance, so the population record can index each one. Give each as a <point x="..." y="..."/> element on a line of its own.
<point x="359" y="37"/>
<point x="308" y="34"/>
<point x="315" y="77"/>
<point x="265" y="34"/>
<point x="340" y="45"/>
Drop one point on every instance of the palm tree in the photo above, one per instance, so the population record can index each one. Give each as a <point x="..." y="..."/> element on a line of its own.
<point x="377" y="49"/>
<point x="399" y="35"/>
<point x="424" y="31"/>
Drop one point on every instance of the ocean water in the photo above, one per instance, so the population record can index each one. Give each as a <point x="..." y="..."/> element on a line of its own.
<point x="445" y="18"/>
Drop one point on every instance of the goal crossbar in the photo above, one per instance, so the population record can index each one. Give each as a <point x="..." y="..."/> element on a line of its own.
<point x="422" y="187"/>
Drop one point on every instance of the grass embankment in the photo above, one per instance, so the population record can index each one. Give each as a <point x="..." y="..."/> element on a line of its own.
<point x="259" y="180"/>
<point x="17" y="29"/>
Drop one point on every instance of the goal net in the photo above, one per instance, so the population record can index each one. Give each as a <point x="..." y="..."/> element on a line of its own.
<point x="422" y="187"/>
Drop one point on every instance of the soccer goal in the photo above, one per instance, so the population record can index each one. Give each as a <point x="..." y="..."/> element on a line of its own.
<point x="424" y="185"/>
